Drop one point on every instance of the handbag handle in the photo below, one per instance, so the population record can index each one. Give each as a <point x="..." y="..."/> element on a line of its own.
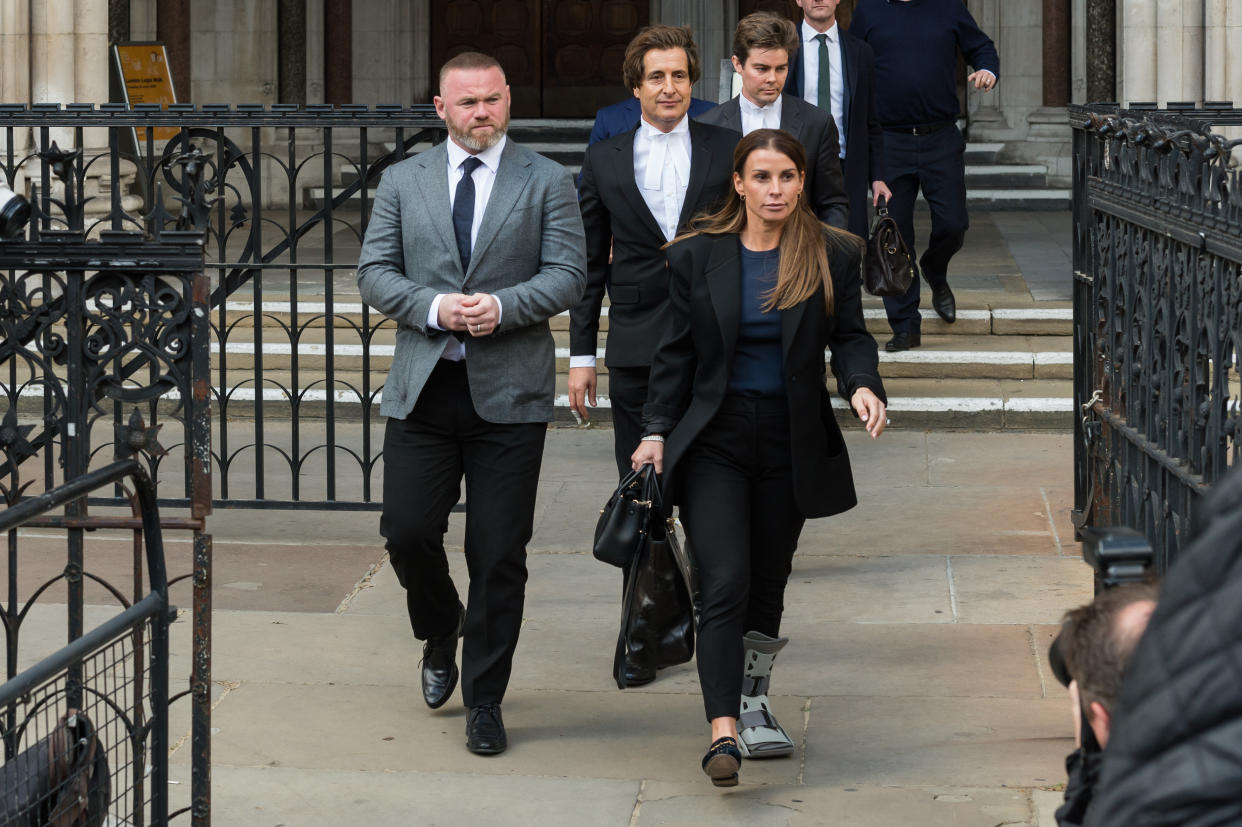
<point x="881" y="206"/>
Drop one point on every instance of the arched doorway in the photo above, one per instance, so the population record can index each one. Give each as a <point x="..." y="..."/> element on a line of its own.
<point x="562" y="57"/>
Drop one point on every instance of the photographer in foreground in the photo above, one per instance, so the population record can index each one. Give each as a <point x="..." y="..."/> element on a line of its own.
<point x="1096" y="643"/>
<point x="1174" y="752"/>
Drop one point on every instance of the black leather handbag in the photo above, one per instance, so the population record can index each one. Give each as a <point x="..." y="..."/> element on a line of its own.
<point x="658" y="609"/>
<point x="61" y="781"/>
<point x="623" y="520"/>
<point x="888" y="268"/>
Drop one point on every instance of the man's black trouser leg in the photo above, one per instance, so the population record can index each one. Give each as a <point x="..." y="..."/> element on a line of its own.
<point x="942" y="175"/>
<point x="425" y="456"/>
<point x="901" y="158"/>
<point x="627" y="393"/>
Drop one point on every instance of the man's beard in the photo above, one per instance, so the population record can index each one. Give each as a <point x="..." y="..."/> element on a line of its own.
<point x="469" y="141"/>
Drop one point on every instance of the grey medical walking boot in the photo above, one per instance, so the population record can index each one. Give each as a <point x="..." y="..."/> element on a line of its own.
<point x="759" y="735"/>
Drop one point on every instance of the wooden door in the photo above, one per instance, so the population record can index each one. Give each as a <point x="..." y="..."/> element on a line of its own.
<point x="583" y="49"/>
<point x="790" y="9"/>
<point x="562" y="57"/>
<point x="508" y="30"/>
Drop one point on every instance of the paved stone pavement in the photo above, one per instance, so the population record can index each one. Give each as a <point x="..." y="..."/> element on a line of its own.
<point x="915" y="683"/>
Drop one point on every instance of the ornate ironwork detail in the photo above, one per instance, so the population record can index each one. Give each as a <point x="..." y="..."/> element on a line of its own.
<point x="1158" y="316"/>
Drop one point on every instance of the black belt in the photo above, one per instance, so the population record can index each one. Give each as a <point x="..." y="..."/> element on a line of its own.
<point x="920" y="129"/>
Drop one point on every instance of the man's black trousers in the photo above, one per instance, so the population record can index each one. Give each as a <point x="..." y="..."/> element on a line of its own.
<point x="935" y="163"/>
<point x="627" y="393"/>
<point x="425" y="456"/>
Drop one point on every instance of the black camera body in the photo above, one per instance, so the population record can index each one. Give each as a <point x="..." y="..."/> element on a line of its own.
<point x="1119" y="556"/>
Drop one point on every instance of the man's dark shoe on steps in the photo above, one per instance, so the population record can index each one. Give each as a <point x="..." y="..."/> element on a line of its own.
<point x="903" y="340"/>
<point x="439" y="666"/>
<point x="944" y="304"/>
<point x="485" y="730"/>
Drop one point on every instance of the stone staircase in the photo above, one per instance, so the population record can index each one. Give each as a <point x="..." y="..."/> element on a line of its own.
<point x="995" y="368"/>
<point x="990" y="184"/>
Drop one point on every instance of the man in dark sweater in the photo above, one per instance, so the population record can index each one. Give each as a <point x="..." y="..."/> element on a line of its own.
<point x="915" y="44"/>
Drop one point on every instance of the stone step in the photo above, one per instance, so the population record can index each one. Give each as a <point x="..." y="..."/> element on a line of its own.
<point x="914" y="403"/>
<point x="995" y="357"/>
<point x="1006" y="176"/>
<point x="972" y="319"/>
<point x="998" y="200"/>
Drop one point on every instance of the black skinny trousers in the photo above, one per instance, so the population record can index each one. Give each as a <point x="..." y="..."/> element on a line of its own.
<point x="738" y="509"/>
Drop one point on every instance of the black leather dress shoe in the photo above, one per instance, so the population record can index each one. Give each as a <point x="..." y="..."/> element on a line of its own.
<point x="439" y="666"/>
<point x="637" y="674"/>
<point x="944" y="304"/>
<point x="903" y="340"/>
<point x="485" y="730"/>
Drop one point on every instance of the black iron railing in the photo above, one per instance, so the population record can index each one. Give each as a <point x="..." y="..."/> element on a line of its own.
<point x="105" y="355"/>
<point x="1157" y="315"/>
<point x="283" y="196"/>
<point x="109" y="683"/>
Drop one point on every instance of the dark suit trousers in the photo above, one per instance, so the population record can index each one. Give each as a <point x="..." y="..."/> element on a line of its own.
<point x="936" y="164"/>
<point x="627" y="393"/>
<point x="737" y="506"/>
<point x="425" y="456"/>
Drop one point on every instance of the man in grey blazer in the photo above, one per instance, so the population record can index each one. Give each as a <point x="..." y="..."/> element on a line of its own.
<point x="762" y="44"/>
<point x="472" y="245"/>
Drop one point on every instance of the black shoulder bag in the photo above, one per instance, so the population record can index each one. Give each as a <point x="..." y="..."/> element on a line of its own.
<point x="888" y="269"/>
<point x="623" y="520"/>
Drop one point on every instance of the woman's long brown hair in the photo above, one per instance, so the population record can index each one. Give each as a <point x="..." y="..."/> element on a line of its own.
<point x="804" y="238"/>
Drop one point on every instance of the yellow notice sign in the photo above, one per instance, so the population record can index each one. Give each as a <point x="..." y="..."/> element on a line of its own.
<point x="146" y="79"/>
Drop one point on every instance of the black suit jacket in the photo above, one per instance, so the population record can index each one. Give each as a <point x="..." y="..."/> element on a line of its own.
<point x="864" y="139"/>
<point x="690" y="375"/>
<point x="616" y="218"/>
<point x="817" y="132"/>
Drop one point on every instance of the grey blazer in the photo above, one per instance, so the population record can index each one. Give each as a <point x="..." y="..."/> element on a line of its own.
<point x="817" y="132"/>
<point x="530" y="253"/>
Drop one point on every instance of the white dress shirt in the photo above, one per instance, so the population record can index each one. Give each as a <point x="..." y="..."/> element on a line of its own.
<point x="484" y="176"/>
<point x="759" y="117"/>
<point x="662" y="172"/>
<point x="810" y="74"/>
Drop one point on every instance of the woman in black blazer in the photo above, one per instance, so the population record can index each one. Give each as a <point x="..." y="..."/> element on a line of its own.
<point x="738" y="419"/>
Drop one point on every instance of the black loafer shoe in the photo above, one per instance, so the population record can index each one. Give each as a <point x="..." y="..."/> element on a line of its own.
<point x="903" y="340"/>
<point x="722" y="762"/>
<point x="636" y="674"/>
<point x="944" y="304"/>
<point x="439" y="665"/>
<point x="485" y="730"/>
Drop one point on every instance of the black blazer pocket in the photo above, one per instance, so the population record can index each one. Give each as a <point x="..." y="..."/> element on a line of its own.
<point x="624" y="294"/>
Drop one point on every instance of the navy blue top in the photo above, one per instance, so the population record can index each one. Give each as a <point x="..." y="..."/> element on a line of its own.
<point x="915" y="45"/>
<point x="758" y="366"/>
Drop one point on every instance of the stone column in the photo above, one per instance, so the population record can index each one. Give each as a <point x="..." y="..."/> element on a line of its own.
<point x="1056" y="52"/>
<point x="1222" y="53"/>
<point x="1179" y="50"/>
<point x="1101" y="50"/>
<point x="291" y="50"/>
<point x="984" y="113"/>
<point x="338" y="51"/>
<point x="173" y="28"/>
<point x="15" y="67"/>
<point x="712" y="22"/>
<point x="1049" y="136"/>
<point x="1138" y="38"/>
<point x="118" y="21"/>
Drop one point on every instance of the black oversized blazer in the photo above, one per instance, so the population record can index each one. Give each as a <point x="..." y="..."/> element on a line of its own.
<point x="619" y="224"/>
<point x="690" y="374"/>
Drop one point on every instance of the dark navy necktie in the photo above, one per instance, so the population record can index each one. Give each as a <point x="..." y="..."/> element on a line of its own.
<point x="463" y="209"/>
